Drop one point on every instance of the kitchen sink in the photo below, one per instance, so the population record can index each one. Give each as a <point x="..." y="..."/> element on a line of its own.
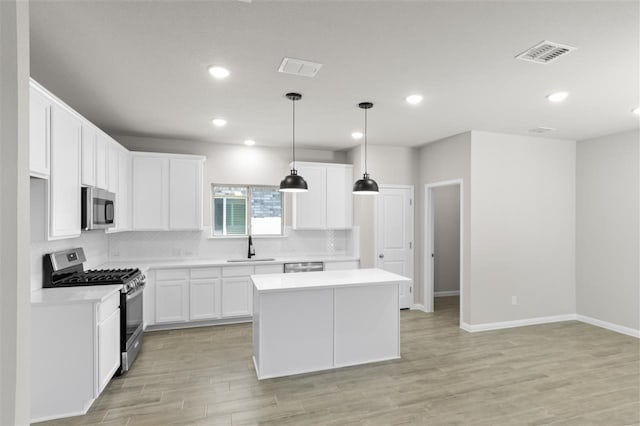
<point x="260" y="259"/>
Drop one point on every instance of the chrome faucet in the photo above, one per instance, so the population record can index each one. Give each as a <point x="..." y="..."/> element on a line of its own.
<point x="251" y="252"/>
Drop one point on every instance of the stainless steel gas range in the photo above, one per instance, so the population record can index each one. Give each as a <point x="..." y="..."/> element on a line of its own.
<point x="66" y="269"/>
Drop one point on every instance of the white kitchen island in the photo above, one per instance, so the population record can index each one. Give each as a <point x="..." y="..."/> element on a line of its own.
<point x="315" y="321"/>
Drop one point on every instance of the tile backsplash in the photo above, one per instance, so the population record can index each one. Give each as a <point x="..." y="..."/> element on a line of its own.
<point x="158" y="245"/>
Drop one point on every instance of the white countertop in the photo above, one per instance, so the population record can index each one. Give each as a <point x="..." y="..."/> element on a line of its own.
<point x="308" y="280"/>
<point x="145" y="265"/>
<point x="80" y="294"/>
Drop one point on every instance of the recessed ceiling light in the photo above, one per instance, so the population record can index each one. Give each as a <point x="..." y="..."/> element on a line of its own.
<point x="414" y="99"/>
<point x="357" y="135"/>
<point x="219" y="72"/>
<point x="557" y="96"/>
<point x="636" y="111"/>
<point x="249" y="142"/>
<point x="219" y="122"/>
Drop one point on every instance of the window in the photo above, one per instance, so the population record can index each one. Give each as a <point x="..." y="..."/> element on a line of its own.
<point x="246" y="210"/>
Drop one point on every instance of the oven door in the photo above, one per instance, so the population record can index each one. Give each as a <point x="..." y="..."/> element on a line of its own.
<point x="131" y="327"/>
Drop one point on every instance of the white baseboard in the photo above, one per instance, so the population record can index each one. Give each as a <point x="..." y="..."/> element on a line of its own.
<point x="446" y="293"/>
<point x="472" y="328"/>
<point x="609" y="326"/>
<point x="417" y="307"/>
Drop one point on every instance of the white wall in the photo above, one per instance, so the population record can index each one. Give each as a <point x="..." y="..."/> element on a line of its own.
<point x="94" y="243"/>
<point x="446" y="159"/>
<point x="234" y="164"/>
<point x="14" y="213"/>
<point x="391" y="165"/>
<point x="446" y="212"/>
<point x="607" y="243"/>
<point x="522" y="227"/>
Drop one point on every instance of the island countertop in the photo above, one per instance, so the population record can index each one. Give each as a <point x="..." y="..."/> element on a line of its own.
<point x="309" y="280"/>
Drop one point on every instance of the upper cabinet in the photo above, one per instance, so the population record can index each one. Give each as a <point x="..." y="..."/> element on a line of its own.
<point x="88" y="165"/>
<point x="329" y="203"/>
<point x="39" y="131"/>
<point x="64" y="182"/>
<point x="102" y="161"/>
<point x="167" y="191"/>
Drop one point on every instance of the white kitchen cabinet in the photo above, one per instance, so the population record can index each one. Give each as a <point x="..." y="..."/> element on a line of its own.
<point x="328" y="204"/>
<point x="204" y="299"/>
<point x="88" y="164"/>
<point x="39" y="128"/>
<point x="75" y="350"/>
<point x="102" y="161"/>
<point x="113" y="153"/>
<point x="309" y="208"/>
<point x="339" y="196"/>
<point x="108" y="348"/>
<point x="167" y="192"/>
<point x="64" y="181"/>
<point x="185" y="193"/>
<point x="124" y="191"/>
<point x="172" y="300"/>
<point x="237" y="296"/>
<point x="150" y="192"/>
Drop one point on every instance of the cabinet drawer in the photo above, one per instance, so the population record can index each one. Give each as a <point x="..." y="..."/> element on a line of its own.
<point x="237" y="271"/>
<point x="198" y="273"/>
<point x="172" y="274"/>
<point x="269" y="269"/>
<point x="107" y="307"/>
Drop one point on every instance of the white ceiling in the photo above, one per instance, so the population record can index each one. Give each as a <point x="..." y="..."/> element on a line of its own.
<point x="140" y="67"/>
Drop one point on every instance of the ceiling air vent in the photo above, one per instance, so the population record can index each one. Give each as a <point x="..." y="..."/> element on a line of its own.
<point x="299" y="67"/>
<point x="545" y="52"/>
<point x="542" y="129"/>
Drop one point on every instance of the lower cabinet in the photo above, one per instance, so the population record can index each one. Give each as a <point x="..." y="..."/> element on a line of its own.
<point x="172" y="300"/>
<point x="237" y="296"/>
<point x="75" y="350"/>
<point x="204" y="299"/>
<point x="108" y="348"/>
<point x="341" y="265"/>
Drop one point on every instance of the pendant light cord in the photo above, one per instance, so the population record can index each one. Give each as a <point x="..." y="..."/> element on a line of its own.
<point x="365" y="142"/>
<point x="294" y="133"/>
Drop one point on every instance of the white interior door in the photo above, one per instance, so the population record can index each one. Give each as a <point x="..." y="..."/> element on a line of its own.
<point x="394" y="236"/>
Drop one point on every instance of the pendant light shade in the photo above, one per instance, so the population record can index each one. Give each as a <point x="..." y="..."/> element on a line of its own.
<point x="366" y="185"/>
<point x="294" y="182"/>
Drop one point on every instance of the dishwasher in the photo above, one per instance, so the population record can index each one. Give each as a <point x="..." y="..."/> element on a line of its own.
<point x="303" y="267"/>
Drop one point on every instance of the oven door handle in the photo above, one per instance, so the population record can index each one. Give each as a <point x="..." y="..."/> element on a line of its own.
<point x="136" y="293"/>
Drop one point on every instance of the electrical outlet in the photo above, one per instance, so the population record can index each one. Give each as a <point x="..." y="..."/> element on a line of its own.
<point x="514" y="300"/>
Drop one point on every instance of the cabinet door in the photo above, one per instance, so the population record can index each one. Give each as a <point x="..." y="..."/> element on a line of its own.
<point x="108" y="348"/>
<point x="113" y="151"/>
<point x="237" y="296"/>
<point x="150" y="193"/>
<point x="185" y="194"/>
<point x="204" y="299"/>
<point x="64" y="183"/>
<point x="39" y="131"/>
<point x="341" y="266"/>
<point x="124" y="191"/>
<point x="310" y="208"/>
<point x="102" y="161"/>
<point x="88" y="166"/>
<point x="172" y="301"/>
<point x="339" y="197"/>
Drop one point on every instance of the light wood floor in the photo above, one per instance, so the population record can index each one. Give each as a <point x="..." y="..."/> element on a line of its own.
<point x="566" y="373"/>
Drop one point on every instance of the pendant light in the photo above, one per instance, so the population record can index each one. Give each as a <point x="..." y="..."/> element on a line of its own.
<point x="366" y="185"/>
<point x="294" y="182"/>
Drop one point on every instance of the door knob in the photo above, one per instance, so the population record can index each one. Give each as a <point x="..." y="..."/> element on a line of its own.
<point x="381" y="256"/>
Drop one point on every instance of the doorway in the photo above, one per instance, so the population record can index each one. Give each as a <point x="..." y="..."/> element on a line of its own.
<point x="444" y="239"/>
<point x="394" y="235"/>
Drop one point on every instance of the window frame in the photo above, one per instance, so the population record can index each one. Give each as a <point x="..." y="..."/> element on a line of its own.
<point x="247" y="211"/>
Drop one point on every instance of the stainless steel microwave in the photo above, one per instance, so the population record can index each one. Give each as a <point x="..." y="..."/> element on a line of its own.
<point x="98" y="209"/>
